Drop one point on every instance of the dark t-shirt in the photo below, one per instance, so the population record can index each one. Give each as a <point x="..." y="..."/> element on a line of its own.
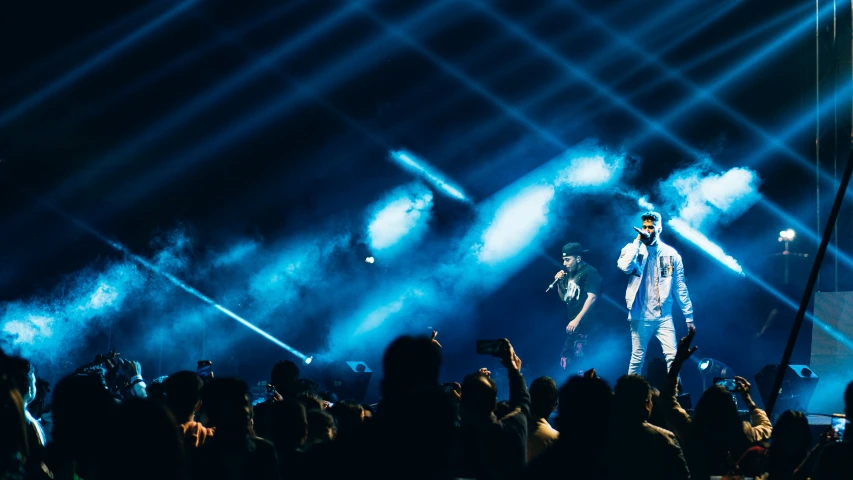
<point x="573" y="289"/>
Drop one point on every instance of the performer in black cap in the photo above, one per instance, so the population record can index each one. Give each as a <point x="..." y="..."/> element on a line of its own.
<point x="578" y="285"/>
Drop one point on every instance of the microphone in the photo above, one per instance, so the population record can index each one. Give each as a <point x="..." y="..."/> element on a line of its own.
<point x="642" y="232"/>
<point x="552" y="284"/>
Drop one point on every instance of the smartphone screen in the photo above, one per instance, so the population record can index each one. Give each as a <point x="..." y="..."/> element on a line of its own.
<point x="488" y="347"/>
<point x="204" y="368"/>
<point x="839" y="424"/>
<point x="728" y="383"/>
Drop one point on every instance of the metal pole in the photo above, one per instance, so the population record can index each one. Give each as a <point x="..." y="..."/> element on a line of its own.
<point x="810" y="285"/>
<point x="835" y="67"/>
<point x="817" y="119"/>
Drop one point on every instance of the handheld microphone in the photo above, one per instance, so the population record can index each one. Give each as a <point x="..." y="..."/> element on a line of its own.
<point x="552" y="284"/>
<point x="642" y="232"/>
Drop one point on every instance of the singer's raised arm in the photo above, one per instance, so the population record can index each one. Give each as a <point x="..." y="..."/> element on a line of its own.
<point x="627" y="261"/>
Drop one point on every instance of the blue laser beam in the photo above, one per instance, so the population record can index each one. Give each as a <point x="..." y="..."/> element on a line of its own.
<point x="79" y="47"/>
<point x="175" y="281"/>
<point x="174" y="64"/>
<point x="95" y="62"/>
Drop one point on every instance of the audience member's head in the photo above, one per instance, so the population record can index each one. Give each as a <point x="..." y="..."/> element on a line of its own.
<point x="479" y="395"/>
<point x="151" y="447"/>
<point x="321" y="427"/>
<point x="410" y="364"/>
<point x="183" y="394"/>
<point x="289" y="424"/>
<point x="632" y="399"/>
<point x="543" y="397"/>
<point x="284" y="376"/>
<point x="348" y="415"/>
<point x="791" y="434"/>
<point x="226" y="403"/>
<point x="310" y="401"/>
<point x="584" y="404"/>
<point x="81" y="409"/>
<point x="716" y="433"/>
<point x="23" y="374"/>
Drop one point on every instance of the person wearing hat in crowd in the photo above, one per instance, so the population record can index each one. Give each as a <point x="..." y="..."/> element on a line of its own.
<point x="656" y="279"/>
<point x="578" y="286"/>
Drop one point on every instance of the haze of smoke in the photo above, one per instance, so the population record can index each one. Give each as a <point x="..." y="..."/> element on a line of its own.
<point x="705" y="200"/>
<point x="47" y="329"/>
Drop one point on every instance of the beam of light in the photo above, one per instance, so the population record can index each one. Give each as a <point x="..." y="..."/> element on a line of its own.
<point x="696" y="90"/>
<point x="209" y="97"/>
<point x="831" y="331"/>
<point x="271" y="110"/>
<point x="519" y="62"/>
<point x="712" y="249"/>
<point x="422" y="169"/>
<point x="601" y="60"/>
<point x="178" y="282"/>
<point x="566" y="65"/>
<point x="725" y="78"/>
<point x="516" y="224"/>
<point x="95" y="62"/>
<point x="799" y="123"/>
<point x="121" y="25"/>
<point x="701" y="59"/>
<point x="403" y="35"/>
<point x="174" y="64"/>
<point x="403" y="214"/>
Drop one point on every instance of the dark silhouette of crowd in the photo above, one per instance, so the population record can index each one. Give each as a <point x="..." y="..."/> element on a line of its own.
<point x="105" y="423"/>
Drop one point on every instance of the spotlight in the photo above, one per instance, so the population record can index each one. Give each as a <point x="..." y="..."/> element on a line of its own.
<point x="710" y="368"/>
<point x="369" y="260"/>
<point x="787" y="235"/>
<point x="308" y="359"/>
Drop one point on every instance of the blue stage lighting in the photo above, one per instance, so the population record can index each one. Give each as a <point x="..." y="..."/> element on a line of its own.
<point x="404" y="213"/>
<point x="430" y="174"/>
<point x="591" y="171"/>
<point x="516" y="224"/>
<point x="707" y="246"/>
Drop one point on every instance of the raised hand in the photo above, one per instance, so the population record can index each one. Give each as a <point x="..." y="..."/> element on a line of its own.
<point x="684" y="349"/>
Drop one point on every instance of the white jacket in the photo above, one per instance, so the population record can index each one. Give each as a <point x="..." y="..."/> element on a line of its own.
<point x="632" y="261"/>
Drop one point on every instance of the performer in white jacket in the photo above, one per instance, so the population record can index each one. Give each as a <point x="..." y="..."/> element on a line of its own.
<point x="657" y="276"/>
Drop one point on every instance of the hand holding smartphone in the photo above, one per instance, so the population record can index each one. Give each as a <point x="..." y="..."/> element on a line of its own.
<point x="205" y="369"/>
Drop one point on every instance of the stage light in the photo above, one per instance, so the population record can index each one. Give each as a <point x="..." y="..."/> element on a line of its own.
<point x="308" y="359"/>
<point x="710" y="368"/>
<point x="516" y="224"/>
<point x="399" y="219"/>
<point x="422" y="169"/>
<point x="787" y="235"/>
<point x="369" y="260"/>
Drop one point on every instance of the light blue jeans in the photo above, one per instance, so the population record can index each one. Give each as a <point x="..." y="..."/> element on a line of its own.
<point x="642" y="332"/>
